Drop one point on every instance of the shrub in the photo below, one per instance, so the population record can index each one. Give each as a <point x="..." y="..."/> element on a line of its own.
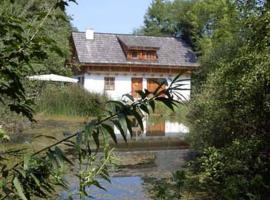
<point x="238" y="171"/>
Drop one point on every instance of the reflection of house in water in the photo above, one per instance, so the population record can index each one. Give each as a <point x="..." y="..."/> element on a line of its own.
<point x="161" y="128"/>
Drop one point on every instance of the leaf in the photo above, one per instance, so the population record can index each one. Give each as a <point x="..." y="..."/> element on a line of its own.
<point x="35" y="179"/>
<point x="129" y="96"/>
<point x="95" y="137"/>
<point x="110" y="130"/>
<point x="46" y="136"/>
<point x="26" y="162"/>
<point x="141" y="93"/>
<point x="19" y="188"/>
<point x="96" y="183"/>
<point x="129" y="127"/>
<point x="105" y="176"/>
<point x="62" y="155"/>
<point x="78" y="142"/>
<point x="152" y="104"/>
<point x="175" y="78"/>
<point x="166" y="101"/>
<point x="144" y="108"/>
<point x="21" y="172"/>
<point x="139" y="119"/>
<point x="160" y="84"/>
<point x="120" y="128"/>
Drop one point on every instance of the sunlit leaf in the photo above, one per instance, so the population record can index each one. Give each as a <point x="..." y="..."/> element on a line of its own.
<point x="19" y="188"/>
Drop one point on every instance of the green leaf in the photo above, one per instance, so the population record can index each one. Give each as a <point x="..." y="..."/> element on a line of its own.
<point x="62" y="155"/>
<point x="96" y="183"/>
<point x="19" y="188"/>
<point x="104" y="176"/>
<point x="120" y="128"/>
<point x="21" y="172"/>
<point x="166" y="102"/>
<point x="144" y="108"/>
<point x="35" y="179"/>
<point x="129" y="127"/>
<point x="110" y="130"/>
<point x="95" y="136"/>
<point x="26" y="162"/>
<point x="139" y="119"/>
<point x="152" y="104"/>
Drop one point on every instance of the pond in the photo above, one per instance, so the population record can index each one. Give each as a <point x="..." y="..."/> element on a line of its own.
<point x="150" y="155"/>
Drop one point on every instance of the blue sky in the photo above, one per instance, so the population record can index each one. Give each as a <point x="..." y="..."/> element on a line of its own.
<point x="114" y="16"/>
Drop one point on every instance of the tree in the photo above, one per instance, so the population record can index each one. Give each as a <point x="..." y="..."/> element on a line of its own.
<point x="169" y="18"/>
<point x="229" y="113"/>
<point x="31" y="34"/>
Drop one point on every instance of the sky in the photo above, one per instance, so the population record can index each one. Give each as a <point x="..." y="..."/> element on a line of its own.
<point x="108" y="16"/>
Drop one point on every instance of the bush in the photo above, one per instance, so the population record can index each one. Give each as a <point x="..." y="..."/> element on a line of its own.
<point x="238" y="171"/>
<point x="70" y="100"/>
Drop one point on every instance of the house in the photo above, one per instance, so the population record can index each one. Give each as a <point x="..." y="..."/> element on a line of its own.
<point x="117" y="64"/>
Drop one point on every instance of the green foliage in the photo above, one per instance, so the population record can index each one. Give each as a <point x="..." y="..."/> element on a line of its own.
<point x="168" y="18"/>
<point x="70" y="100"/>
<point x="229" y="113"/>
<point x="29" y="45"/>
<point x="235" y="172"/>
<point x="169" y="189"/>
<point x="3" y="135"/>
<point x="36" y="174"/>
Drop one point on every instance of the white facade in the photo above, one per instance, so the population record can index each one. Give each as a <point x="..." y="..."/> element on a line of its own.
<point x="172" y="129"/>
<point x="95" y="82"/>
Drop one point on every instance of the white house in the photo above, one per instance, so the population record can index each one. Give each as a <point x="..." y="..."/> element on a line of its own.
<point x="117" y="64"/>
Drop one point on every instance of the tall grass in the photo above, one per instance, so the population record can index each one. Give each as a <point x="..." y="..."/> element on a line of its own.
<point x="70" y="100"/>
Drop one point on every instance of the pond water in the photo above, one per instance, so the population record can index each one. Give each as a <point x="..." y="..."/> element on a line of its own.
<point x="151" y="154"/>
<point x="133" y="179"/>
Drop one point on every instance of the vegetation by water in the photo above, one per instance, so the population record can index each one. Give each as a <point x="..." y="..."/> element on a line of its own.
<point x="229" y="113"/>
<point x="70" y="100"/>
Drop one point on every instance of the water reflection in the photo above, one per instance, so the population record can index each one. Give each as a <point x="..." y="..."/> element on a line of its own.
<point x="157" y="127"/>
<point x="120" y="188"/>
<point x="136" y="172"/>
<point x="153" y="153"/>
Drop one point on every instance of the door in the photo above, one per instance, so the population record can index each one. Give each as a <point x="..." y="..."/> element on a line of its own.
<point x="156" y="129"/>
<point x="136" y="84"/>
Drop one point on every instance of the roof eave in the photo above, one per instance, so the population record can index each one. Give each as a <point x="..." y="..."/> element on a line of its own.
<point x="192" y="66"/>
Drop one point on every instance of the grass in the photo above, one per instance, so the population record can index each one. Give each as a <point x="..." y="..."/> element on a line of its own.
<point x="70" y="100"/>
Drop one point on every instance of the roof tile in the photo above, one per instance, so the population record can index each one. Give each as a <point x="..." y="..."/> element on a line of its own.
<point x="105" y="48"/>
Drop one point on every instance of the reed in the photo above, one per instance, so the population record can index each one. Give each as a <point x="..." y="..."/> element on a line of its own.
<point x="70" y="100"/>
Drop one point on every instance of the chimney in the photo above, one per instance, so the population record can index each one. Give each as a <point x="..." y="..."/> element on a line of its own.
<point x="89" y="34"/>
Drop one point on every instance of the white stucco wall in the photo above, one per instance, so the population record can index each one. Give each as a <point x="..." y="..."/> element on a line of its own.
<point x="94" y="82"/>
<point x="174" y="128"/>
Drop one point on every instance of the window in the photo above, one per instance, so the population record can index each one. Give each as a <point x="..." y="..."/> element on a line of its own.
<point x="134" y="55"/>
<point x="142" y="55"/>
<point x="109" y="83"/>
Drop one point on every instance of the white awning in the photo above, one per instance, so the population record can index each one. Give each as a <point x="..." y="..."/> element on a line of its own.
<point x="53" y="77"/>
